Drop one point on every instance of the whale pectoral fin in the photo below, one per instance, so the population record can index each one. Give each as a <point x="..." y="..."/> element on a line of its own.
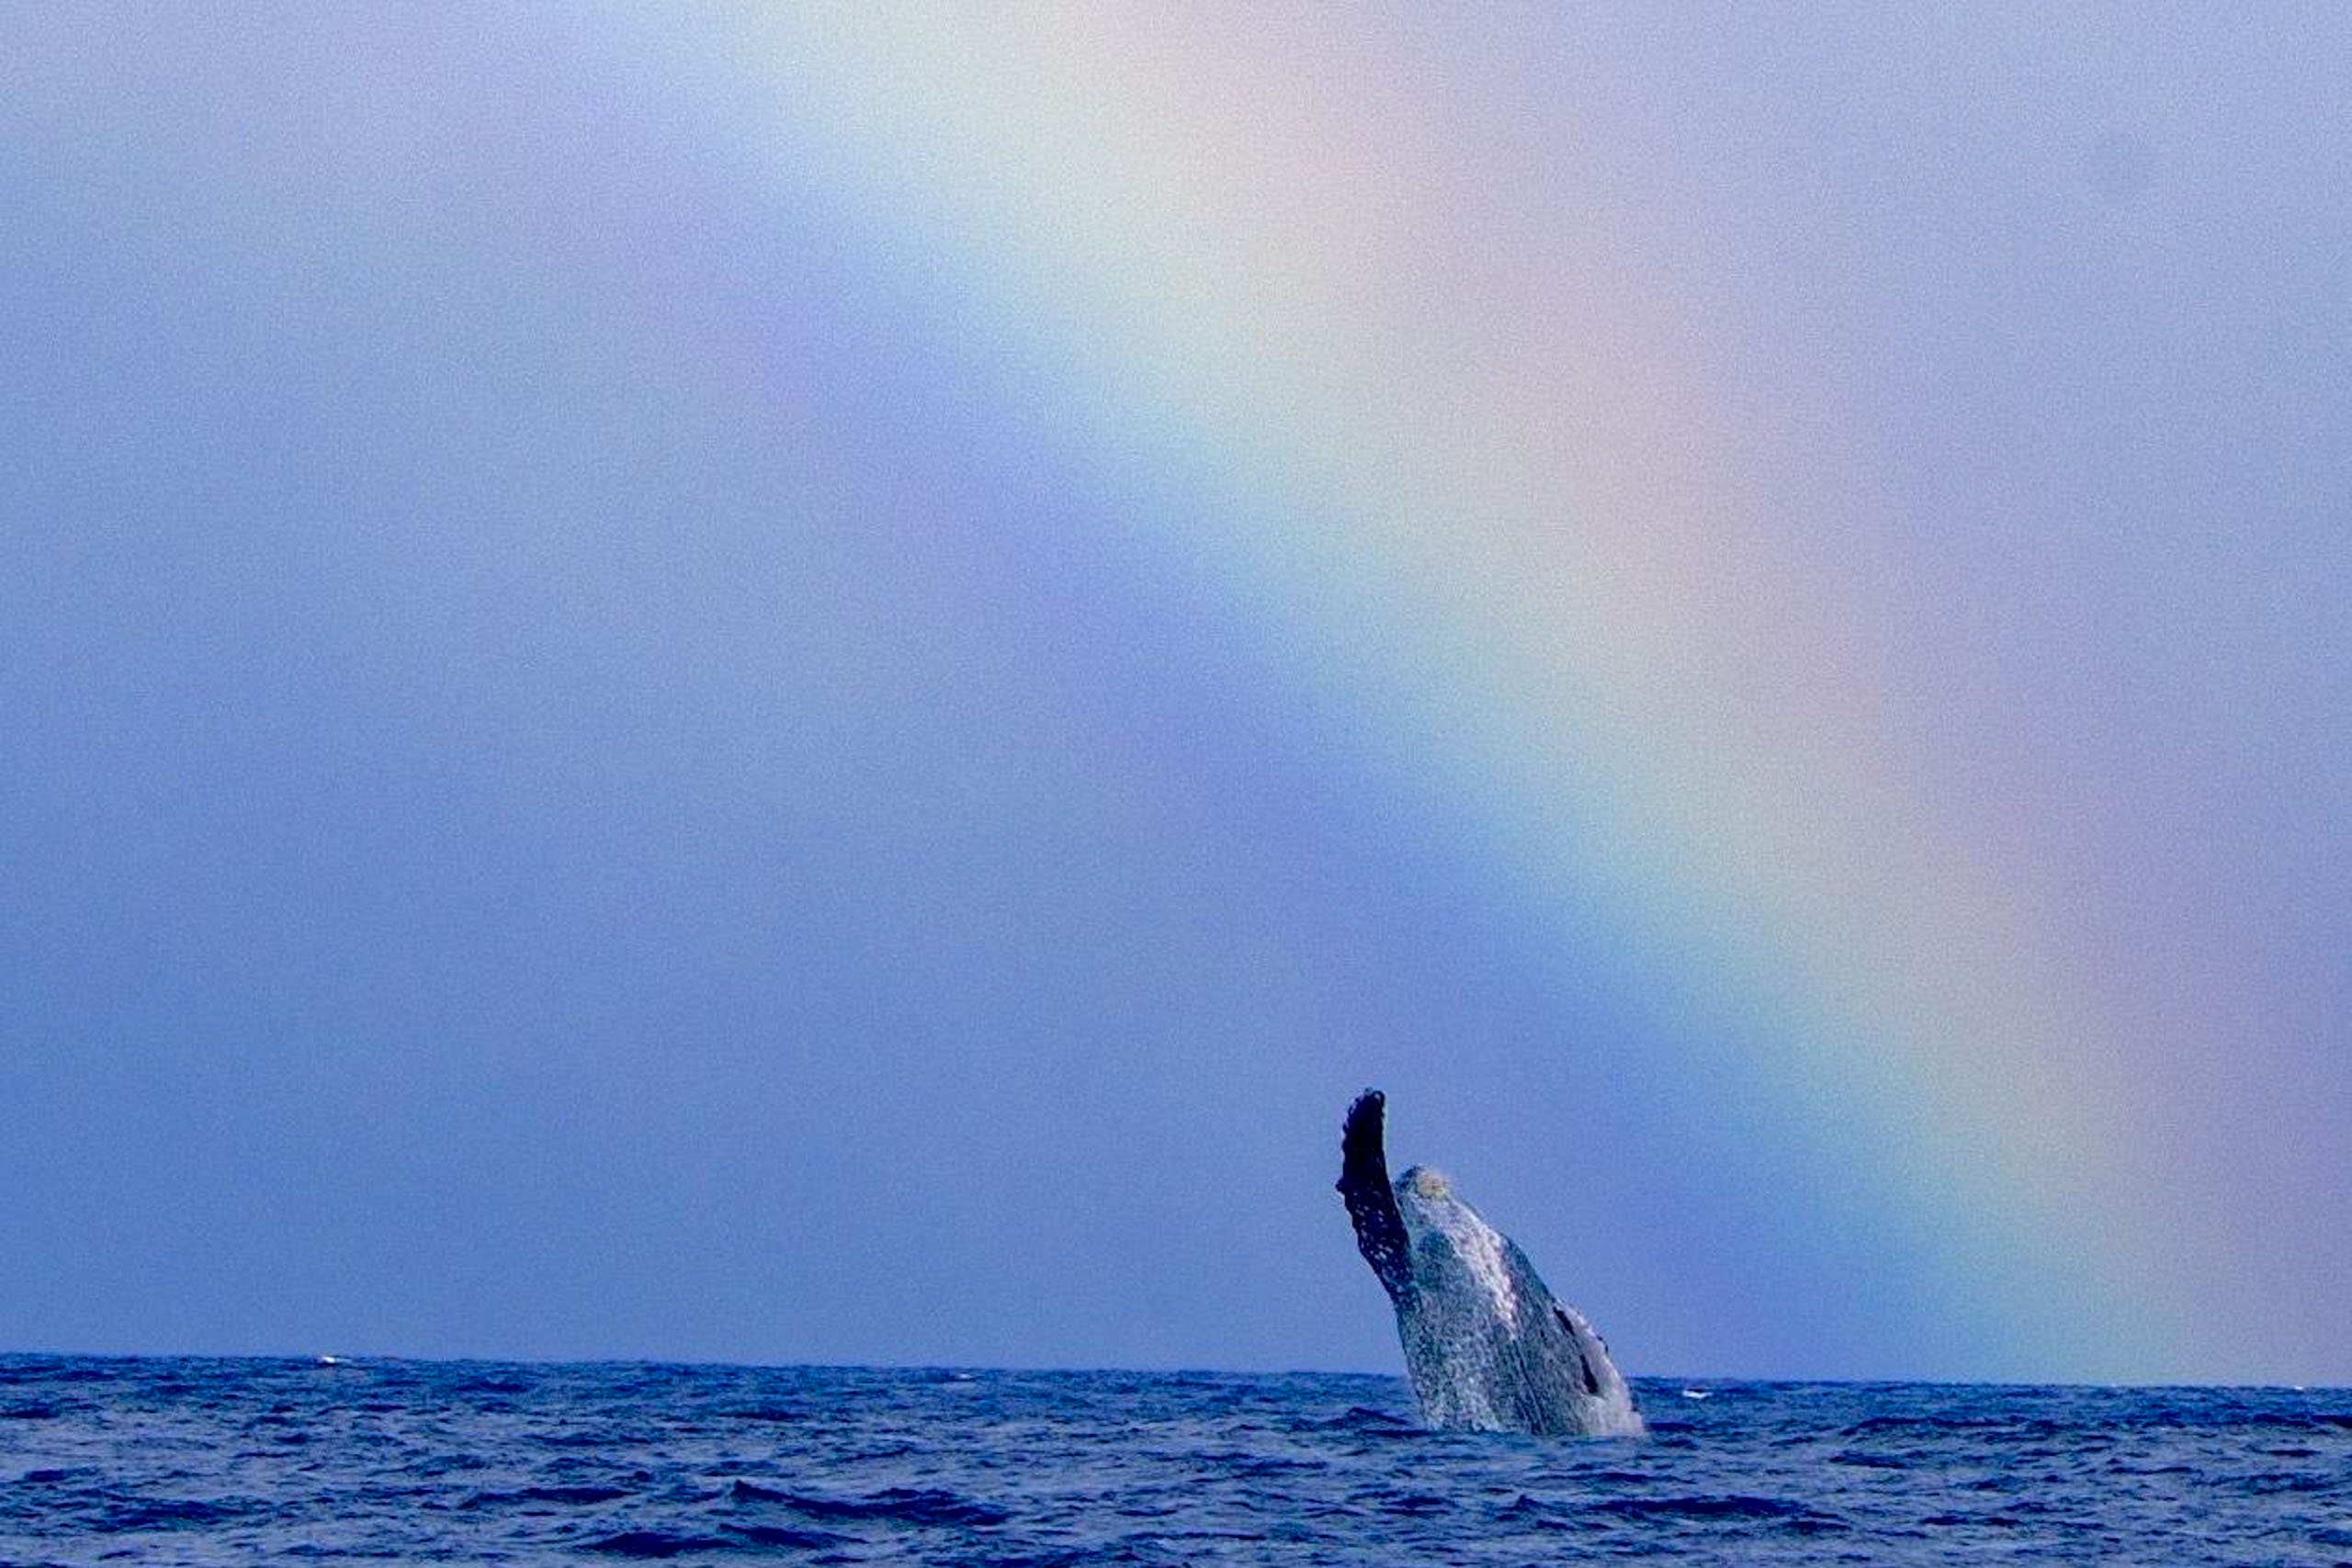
<point x="1372" y="1204"/>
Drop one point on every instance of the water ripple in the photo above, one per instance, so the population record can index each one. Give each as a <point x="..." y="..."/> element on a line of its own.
<point x="206" y="1462"/>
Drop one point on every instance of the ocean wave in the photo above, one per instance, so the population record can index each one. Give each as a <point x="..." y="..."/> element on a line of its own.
<point x="572" y="1497"/>
<point x="1735" y="1506"/>
<point x="657" y="1544"/>
<point x="1367" y="1422"/>
<point x="903" y="1504"/>
<point x="1051" y="1471"/>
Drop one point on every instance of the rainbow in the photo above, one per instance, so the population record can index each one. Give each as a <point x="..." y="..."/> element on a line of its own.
<point x="1436" y="394"/>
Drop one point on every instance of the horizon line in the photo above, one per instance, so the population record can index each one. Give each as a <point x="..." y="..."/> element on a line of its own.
<point x="341" y="1358"/>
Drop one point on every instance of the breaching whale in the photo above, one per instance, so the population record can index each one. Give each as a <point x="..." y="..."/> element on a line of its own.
<point x="1486" y="1345"/>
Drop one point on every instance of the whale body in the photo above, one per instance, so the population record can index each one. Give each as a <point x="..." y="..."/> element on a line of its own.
<point x="1486" y="1345"/>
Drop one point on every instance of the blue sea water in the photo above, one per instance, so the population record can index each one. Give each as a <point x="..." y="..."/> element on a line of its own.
<point x="219" y="1461"/>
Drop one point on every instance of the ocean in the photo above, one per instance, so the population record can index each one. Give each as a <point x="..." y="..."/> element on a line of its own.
<point x="185" y="1461"/>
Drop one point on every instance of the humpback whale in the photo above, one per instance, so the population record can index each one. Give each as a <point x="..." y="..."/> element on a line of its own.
<point x="1488" y="1347"/>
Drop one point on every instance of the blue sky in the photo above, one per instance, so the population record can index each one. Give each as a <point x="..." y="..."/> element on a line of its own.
<point x="592" y="772"/>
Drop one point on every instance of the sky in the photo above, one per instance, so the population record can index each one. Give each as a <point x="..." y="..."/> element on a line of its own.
<point x="813" y="684"/>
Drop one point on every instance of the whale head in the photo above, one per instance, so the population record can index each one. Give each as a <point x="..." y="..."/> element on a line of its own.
<point x="1452" y="1242"/>
<point x="1423" y="1182"/>
<point x="1429" y="1204"/>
